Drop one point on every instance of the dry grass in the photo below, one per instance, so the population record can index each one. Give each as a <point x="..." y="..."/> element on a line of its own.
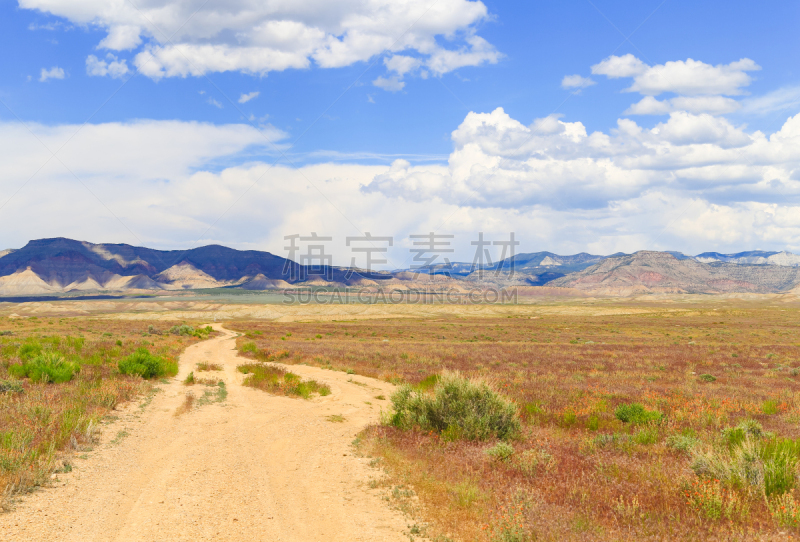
<point x="208" y="366"/>
<point x="40" y="422"/>
<point x="187" y="404"/>
<point x="577" y="472"/>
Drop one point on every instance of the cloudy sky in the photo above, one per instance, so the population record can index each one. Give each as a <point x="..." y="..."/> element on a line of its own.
<point x="592" y="125"/>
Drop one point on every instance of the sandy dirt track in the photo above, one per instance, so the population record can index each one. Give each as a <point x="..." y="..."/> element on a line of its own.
<point x="252" y="467"/>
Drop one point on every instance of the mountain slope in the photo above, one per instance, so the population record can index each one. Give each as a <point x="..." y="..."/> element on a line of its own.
<point x="660" y="272"/>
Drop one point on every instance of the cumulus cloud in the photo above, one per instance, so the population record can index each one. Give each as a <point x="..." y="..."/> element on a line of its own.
<point x="498" y="162"/>
<point x="392" y="84"/>
<point x="716" y="105"/>
<point x="111" y="66"/>
<point x="195" y="37"/>
<point x="53" y="73"/>
<point x="689" y="77"/>
<point x="244" y="98"/>
<point x="691" y="183"/>
<point x="576" y="82"/>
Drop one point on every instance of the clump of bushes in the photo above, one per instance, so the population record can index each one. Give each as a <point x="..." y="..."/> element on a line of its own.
<point x="459" y="407"/>
<point x="147" y="365"/>
<point x="749" y="458"/>
<point x="277" y="380"/>
<point x="45" y="367"/>
<point x="636" y="414"/>
<point x="189" y="331"/>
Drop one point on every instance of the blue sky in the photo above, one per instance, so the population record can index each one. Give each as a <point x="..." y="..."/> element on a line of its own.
<point x="329" y="98"/>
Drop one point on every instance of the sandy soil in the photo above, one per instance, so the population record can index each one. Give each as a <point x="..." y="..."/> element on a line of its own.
<point x="251" y="467"/>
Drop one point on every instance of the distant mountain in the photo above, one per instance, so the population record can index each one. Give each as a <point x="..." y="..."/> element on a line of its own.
<point x="661" y="272"/>
<point x="48" y="266"/>
<point x="62" y="265"/>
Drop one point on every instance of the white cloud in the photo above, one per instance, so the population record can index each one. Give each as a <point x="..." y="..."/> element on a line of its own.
<point x="110" y="66"/>
<point x="196" y="37"/>
<point x="716" y="105"/>
<point x="620" y="66"/>
<point x="402" y="64"/>
<point x="690" y="77"/>
<point x="392" y="84"/>
<point x="244" y="98"/>
<point x="53" y="73"/>
<point x="777" y="100"/>
<point x="215" y="103"/>
<point x="693" y="183"/>
<point x="576" y="81"/>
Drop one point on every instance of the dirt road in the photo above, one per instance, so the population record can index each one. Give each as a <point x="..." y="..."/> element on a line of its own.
<point x="250" y="467"/>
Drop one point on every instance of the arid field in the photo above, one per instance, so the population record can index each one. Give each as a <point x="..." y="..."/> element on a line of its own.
<point x="580" y="468"/>
<point x="627" y="421"/>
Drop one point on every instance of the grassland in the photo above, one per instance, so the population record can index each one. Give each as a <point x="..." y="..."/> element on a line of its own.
<point x="677" y="424"/>
<point x="60" y="376"/>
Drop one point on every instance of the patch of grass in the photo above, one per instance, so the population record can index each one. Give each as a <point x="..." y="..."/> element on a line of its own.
<point x="208" y="366"/>
<point x="459" y="408"/>
<point x="336" y="418"/>
<point x="278" y="381"/>
<point x="189" y="381"/>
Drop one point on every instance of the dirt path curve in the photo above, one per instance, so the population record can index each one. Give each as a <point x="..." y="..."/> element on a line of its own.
<point x="251" y="467"/>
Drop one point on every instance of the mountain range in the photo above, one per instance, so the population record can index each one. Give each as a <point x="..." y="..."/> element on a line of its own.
<point x="59" y="265"/>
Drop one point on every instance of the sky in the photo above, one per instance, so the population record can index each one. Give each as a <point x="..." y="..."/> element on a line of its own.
<point x="589" y="125"/>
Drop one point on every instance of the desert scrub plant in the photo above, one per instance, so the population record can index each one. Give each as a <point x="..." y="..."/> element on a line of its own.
<point x="189" y="381"/>
<point x="635" y="413"/>
<point x="277" y="380"/>
<point x="208" y="366"/>
<point x="683" y="443"/>
<point x="147" y="365"/>
<point x="45" y="367"/>
<point x="189" y="331"/>
<point x="502" y="451"/>
<point x="12" y="386"/>
<point x="459" y="408"/>
<point x="248" y="347"/>
<point x="766" y="465"/>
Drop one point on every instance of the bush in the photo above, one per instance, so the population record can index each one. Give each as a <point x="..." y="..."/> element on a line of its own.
<point x="46" y="367"/>
<point x="501" y="451"/>
<point x="277" y="380"/>
<point x="12" y="386"/>
<point x="189" y="331"/>
<point x="707" y="378"/>
<point x="767" y="465"/>
<point x="682" y="443"/>
<point x="459" y="408"/>
<point x="146" y="365"/>
<point x="249" y="347"/>
<point x="636" y="414"/>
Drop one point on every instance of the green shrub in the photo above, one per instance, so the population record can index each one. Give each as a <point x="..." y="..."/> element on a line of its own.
<point x="29" y="350"/>
<point x="46" y="367"/>
<point x="636" y="414"/>
<point x="249" y="347"/>
<point x="428" y="383"/>
<point x="147" y="365"/>
<point x="459" y="408"/>
<point x="12" y="386"/>
<point x="501" y="451"/>
<point x="734" y="436"/>
<point x="780" y="459"/>
<point x="707" y="378"/>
